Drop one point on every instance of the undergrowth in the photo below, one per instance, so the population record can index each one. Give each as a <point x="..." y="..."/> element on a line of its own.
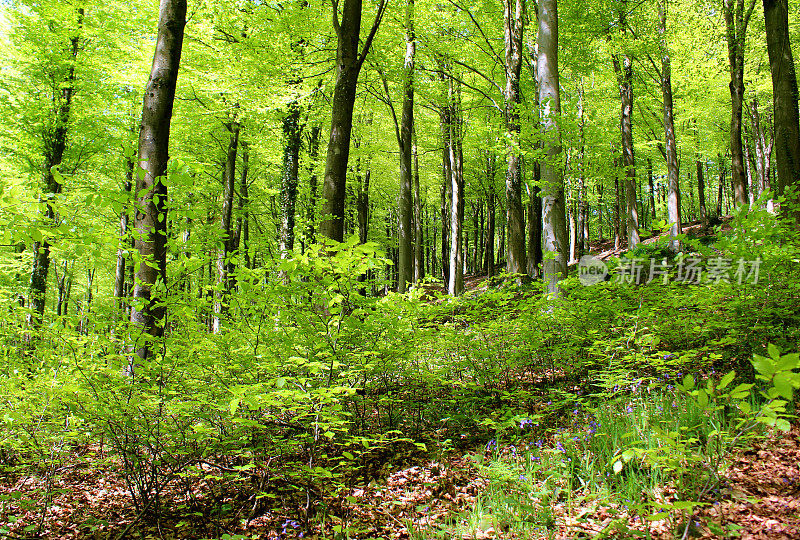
<point x="623" y="397"/>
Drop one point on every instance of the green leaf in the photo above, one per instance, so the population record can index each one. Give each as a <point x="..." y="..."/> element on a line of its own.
<point x="726" y="380"/>
<point x="783" y="386"/>
<point x="774" y="352"/>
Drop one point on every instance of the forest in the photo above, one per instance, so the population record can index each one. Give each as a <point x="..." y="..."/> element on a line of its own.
<point x="401" y="269"/>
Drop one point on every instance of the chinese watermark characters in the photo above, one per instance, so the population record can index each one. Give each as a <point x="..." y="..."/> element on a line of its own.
<point x="685" y="269"/>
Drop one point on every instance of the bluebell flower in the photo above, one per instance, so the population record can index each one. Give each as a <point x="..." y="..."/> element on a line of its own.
<point x="491" y="444"/>
<point x="560" y="446"/>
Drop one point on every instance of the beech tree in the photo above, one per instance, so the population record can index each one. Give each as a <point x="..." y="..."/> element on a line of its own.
<point x="737" y="17"/>
<point x="349" y="59"/>
<point x="149" y="307"/>
<point x="554" y="226"/>
<point x="514" y="26"/>
<point x="784" y="102"/>
<point x="54" y="138"/>
<point x="670" y="145"/>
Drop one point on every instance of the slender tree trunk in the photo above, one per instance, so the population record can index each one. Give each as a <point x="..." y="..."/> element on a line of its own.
<point x="405" y="140"/>
<point x="617" y="224"/>
<point x="652" y="189"/>
<point x="572" y="231"/>
<point x="124" y="220"/>
<point x="348" y="66"/>
<point x="554" y="225"/>
<point x="223" y="249"/>
<point x="514" y="17"/>
<point x="241" y="236"/>
<point x="446" y="191"/>
<point x="313" y="149"/>
<point x="490" y="213"/>
<point x="292" y="135"/>
<point x="600" y="212"/>
<point x="721" y="185"/>
<point x="362" y="206"/>
<point x="784" y="105"/>
<point x="535" y="225"/>
<point x="419" y="239"/>
<point x="701" y="192"/>
<point x="582" y="240"/>
<point x="150" y="306"/>
<point x="624" y="70"/>
<point x="55" y="143"/>
<point x="671" y="147"/>
<point x="456" y="283"/>
<point x="736" y="21"/>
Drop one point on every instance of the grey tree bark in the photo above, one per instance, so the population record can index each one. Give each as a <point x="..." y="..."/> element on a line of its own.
<point x="150" y="221"/>
<point x="405" y="142"/>
<point x="624" y="69"/>
<point x="55" y="143"/>
<point x="491" y="167"/>
<point x="223" y="249"/>
<point x="124" y="223"/>
<point x="455" y="286"/>
<point x="419" y="238"/>
<point x="514" y="25"/>
<point x="670" y="145"/>
<point x="784" y="105"/>
<point x="348" y="65"/>
<point x="554" y="217"/>
<point x="737" y="17"/>
<point x="292" y="140"/>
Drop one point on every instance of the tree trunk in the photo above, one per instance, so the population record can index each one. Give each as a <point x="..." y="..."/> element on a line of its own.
<point x="292" y="135"/>
<point x="671" y="147"/>
<point x="241" y="236"/>
<point x="122" y="250"/>
<point x="701" y="192"/>
<point x="150" y="306"/>
<point x="446" y="190"/>
<point x="600" y="212"/>
<point x="617" y="224"/>
<point x="55" y="142"/>
<point x="736" y="21"/>
<point x="652" y="189"/>
<point x="223" y="249"/>
<point x="419" y="239"/>
<point x="624" y="71"/>
<point x="456" y="283"/>
<point x="784" y="105"/>
<point x="348" y="66"/>
<point x="362" y="207"/>
<point x="582" y="240"/>
<point x="721" y="185"/>
<point x="554" y="225"/>
<point x="405" y="140"/>
<point x="572" y="231"/>
<point x="313" y="149"/>
<point x="490" y="214"/>
<point x="535" y="225"/>
<point x="514" y="16"/>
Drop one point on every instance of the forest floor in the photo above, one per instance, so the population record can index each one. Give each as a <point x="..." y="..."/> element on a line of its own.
<point x="89" y="499"/>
